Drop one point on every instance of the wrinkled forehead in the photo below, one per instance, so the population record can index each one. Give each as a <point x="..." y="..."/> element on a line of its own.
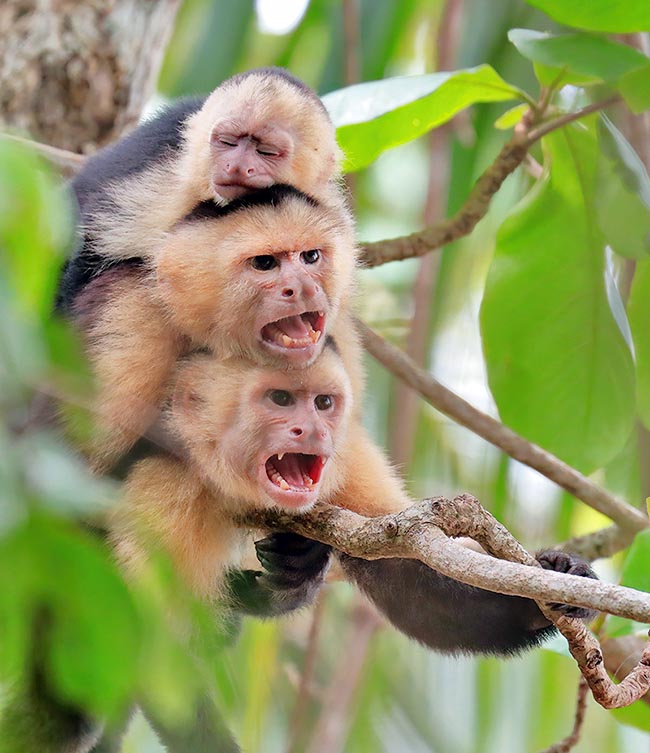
<point x="326" y="376"/>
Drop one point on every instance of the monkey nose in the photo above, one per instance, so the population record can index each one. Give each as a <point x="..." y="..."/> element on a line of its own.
<point x="296" y="431"/>
<point x="287" y="292"/>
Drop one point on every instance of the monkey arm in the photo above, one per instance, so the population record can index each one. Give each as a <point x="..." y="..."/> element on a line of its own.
<point x="132" y="352"/>
<point x="452" y="617"/>
<point x="294" y="569"/>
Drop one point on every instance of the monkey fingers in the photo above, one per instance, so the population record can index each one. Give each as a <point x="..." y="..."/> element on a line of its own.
<point x="564" y="562"/>
<point x="291" y="560"/>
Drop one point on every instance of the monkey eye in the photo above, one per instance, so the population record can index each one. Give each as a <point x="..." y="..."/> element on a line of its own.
<point x="267" y="151"/>
<point x="264" y="262"/>
<point x="281" y="398"/>
<point x="323" y="402"/>
<point x="226" y="141"/>
<point x="311" y="256"/>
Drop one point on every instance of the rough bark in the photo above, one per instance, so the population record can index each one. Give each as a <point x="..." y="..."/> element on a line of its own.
<point x="75" y="74"/>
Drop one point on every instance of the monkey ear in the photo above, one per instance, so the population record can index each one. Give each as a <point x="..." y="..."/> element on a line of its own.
<point x="187" y="398"/>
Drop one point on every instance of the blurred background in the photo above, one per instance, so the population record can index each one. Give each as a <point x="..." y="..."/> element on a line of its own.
<point x="336" y="678"/>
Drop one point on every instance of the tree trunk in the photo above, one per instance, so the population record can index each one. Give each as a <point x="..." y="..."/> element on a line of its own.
<point x="76" y="73"/>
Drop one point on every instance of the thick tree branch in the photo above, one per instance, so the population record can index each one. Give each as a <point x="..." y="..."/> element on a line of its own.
<point x="76" y="75"/>
<point x="419" y="532"/>
<point x="476" y="205"/>
<point x="447" y="402"/>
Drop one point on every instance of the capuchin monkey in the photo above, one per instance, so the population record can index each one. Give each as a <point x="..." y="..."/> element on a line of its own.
<point x="259" y="438"/>
<point x="254" y="437"/>
<point x="266" y="277"/>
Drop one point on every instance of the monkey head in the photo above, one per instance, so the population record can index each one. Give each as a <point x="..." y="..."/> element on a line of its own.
<point x="257" y="129"/>
<point x="260" y="436"/>
<point x="262" y="278"/>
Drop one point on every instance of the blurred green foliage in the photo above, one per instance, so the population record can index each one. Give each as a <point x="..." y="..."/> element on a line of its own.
<point x="554" y="344"/>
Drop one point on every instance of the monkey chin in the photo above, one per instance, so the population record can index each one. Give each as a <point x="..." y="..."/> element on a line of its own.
<point x="297" y="339"/>
<point x="230" y="190"/>
<point x="292" y="479"/>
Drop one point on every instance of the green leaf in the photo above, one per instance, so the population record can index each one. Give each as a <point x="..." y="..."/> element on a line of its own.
<point x="636" y="568"/>
<point x="586" y="58"/>
<point x="635" y="87"/>
<point x="599" y="15"/>
<point x="558" y="366"/>
<point x="623" y="198"/>
<point x="638" y="311"/>
<point x="93" y="636"/>
<point x="636" y="715"/>
<point x="511" y="117"/>
<point x="34" y="217"/>
<point x="376" y="116"/>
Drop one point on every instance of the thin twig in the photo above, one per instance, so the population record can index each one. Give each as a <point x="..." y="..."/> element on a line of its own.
<point x="421" y="532"/>
<point x="581" y="709"/>
<point x="67" y="163"/>
<point x="478" y="202"/>
<point x="599" y="544"/>
<point x="552" y="125"/>
<point x="332" y="725"/>
<point x="307" y="675"/>
<point x="490" y="429"/>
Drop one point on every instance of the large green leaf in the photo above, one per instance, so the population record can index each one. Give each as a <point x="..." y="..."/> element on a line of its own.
<point x="635" y="87"/>
<point x="558" y="366"/>
<point x="586" y="58"/>
<point x="376" y="116"/>
<point x="93" y="636"/>
<point x="638" y="310"/>
<point x="34" y="227"/>
<point x="623" y="198"/>
<point x="636" y="568"/>
<point x="599" y="15"/>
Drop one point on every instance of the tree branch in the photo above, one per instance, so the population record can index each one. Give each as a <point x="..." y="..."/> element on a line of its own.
<point x="476" y="205"/>
<point x="581" y="709"/>
<point x="447" y="402"/>
<point x="602" y="543"/>
<point x="421" y="532"/>
<point x="67" y="163"/>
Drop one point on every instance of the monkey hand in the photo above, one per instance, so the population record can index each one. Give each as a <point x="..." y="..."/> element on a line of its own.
<point x="294" y="569"/>
<point x="291" y="561"/>
<point x="564" y="562"/>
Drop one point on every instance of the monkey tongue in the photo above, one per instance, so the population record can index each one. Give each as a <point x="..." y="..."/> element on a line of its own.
<point x="297" y="470"/>
<point x="294" y="327"/>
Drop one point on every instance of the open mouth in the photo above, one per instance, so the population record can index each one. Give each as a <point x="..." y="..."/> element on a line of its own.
<point x="299" y="331"/>
<point x="295" y="471"/>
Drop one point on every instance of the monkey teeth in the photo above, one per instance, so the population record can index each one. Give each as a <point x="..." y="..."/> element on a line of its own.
<point x="295" y="331"/>
<point x="294" y="471"/>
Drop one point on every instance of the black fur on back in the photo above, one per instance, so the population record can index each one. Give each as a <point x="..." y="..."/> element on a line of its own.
<point x="143" y="147"/>
<point x="273" y="196"/>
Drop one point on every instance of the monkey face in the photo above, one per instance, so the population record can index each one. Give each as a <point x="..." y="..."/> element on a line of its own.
<point x="273" y="440"/>
<point x="264" y="282"/>
<point x="246" y="156"/>
<point x="262" y="128"/>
